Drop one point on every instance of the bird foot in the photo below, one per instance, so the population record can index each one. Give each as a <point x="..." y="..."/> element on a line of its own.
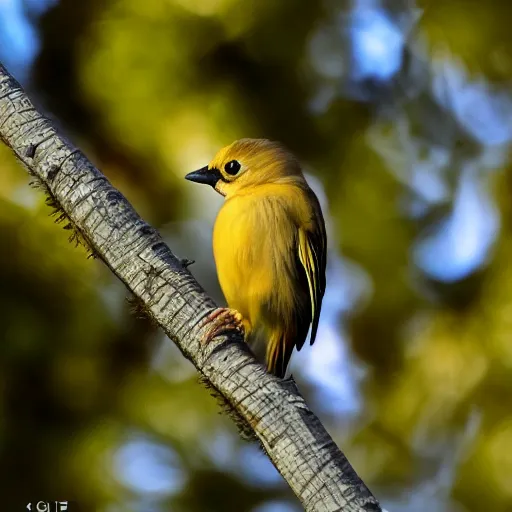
<point x="222" y="320"/>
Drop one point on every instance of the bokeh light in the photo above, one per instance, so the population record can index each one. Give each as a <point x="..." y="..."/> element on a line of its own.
<point x="401" y="115"/>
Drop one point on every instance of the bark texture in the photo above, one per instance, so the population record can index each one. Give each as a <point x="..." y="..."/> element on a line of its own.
<point x="292" y="436"/>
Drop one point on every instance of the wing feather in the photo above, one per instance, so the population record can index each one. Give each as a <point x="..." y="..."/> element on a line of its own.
<point x="312" y="245"/>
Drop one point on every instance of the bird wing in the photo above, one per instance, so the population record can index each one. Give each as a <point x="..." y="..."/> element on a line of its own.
<point x="312" y="247"/>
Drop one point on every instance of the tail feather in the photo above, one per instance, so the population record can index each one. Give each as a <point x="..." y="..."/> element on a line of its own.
<point x="279" y="352"/>
<point x="273" y="347"/>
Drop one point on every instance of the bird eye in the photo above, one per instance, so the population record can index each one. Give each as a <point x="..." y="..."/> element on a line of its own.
<point x="232" y="167"/>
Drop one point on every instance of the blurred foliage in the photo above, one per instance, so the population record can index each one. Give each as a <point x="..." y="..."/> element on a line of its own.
<point x="402" y="112"/>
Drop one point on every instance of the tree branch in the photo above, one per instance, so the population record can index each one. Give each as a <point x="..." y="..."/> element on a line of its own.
<point x="292" y="436"/>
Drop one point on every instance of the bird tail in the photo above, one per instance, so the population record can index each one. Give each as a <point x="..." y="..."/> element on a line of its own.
<point x="279" y="352"/>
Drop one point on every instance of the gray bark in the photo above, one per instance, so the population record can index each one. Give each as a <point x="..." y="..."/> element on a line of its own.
<point x="292" y="436"/>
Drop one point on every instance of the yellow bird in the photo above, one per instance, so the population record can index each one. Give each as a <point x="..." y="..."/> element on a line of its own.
<point x="269" y="245"/>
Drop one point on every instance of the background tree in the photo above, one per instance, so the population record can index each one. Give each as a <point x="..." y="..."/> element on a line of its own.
<point x="403" y="120"/>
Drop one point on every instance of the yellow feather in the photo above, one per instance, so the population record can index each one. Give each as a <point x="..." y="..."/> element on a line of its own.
<point x="269" y="247"/>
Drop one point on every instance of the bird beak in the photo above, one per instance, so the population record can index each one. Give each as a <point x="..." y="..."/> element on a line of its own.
<point x="204" y="175"/>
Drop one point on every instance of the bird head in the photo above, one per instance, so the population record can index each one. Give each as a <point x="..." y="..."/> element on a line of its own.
<point x="247" y="163"/>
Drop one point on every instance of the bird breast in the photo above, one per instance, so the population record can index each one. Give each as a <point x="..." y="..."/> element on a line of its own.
<point x="254" y="248"/>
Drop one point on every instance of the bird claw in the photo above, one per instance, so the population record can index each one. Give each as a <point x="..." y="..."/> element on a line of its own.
<point x="222" y="320"/>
